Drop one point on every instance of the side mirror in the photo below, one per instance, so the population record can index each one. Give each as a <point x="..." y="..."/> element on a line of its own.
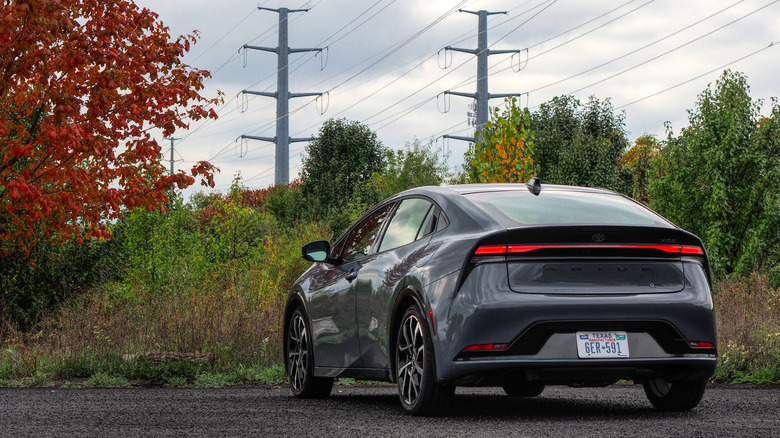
<point x="317" y="251"/>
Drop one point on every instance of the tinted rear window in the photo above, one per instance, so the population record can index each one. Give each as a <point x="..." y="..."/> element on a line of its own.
<point x="512" y="208"/>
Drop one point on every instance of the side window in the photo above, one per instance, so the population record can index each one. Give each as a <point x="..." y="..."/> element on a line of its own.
<point x="429" y="223"/>
<point x="358" y="244"/>
<point x="405" y="225"/>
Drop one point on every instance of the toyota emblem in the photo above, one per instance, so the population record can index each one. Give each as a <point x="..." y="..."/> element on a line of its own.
<point x="598" y="237"/>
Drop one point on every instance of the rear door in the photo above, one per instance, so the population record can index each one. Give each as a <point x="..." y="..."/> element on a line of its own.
<point x="401" y="247"/>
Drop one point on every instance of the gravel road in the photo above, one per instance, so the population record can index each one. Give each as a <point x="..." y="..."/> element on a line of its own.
<point x="368" y="411"/>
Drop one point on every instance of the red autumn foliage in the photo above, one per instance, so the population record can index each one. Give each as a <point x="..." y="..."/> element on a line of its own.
<point x="247" y="198"/>
<point x="82" y="83"/>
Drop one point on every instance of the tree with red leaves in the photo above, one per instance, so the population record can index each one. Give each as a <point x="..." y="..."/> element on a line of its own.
<point x="84" y="85"/>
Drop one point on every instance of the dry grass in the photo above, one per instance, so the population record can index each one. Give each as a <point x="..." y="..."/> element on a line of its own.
<point x="748" y="312"/>
<point x="97" y="334"/>
<point x="234" y="327"/>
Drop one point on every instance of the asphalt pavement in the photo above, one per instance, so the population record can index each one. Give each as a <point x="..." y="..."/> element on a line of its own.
<point x="374" y="411"/>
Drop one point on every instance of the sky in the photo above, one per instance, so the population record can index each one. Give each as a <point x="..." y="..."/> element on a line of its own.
<point x="384" y="66"/>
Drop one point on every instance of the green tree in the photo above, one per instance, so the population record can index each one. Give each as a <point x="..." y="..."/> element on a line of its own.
<point x="720" y="178"/>
<point x="505" y="152"/>
<point x="337" y="168"/>
<point x="580" y="145"/>
<point x="414" y="166"/>
<point x="638" y="160"/>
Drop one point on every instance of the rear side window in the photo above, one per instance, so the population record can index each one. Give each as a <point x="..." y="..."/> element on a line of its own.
<point x="407" y="222"/>
<point x="519" y="207"/>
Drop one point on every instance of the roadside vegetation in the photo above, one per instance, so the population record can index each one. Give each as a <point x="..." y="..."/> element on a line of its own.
<point x="192" y="296"/>
<point x="125" y="286"/>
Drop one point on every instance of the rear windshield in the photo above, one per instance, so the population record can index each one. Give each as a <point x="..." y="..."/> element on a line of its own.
<point x="520" y="207"/>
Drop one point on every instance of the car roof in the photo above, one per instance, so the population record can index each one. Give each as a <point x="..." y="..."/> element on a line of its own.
<point x="451" y="191"/>
<point x="465" y="189"/>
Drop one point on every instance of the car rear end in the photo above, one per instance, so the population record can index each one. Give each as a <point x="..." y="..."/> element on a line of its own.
<point x="583" y="287"/>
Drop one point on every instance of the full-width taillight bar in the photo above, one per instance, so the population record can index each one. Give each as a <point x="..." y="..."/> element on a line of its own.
<point x="520" y="249"/>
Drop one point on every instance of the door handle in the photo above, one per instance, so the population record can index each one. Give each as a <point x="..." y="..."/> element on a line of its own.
<point x="351" y="275"/>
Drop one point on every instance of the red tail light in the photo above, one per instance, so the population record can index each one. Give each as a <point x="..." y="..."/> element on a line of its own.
<point x="695" y="344"/>
<point x="692" y="250"/>
<point x="486" y="347"/>
<point x="490" y="250"/>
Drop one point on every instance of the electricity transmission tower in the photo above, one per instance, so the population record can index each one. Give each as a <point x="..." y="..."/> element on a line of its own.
<point x="482" y="95"/>
<point x="172" y="139"/>
<point x="282" y="96"/>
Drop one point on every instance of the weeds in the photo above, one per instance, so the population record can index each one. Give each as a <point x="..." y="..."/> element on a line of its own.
<point x="214" y="380"/>
<point x="748" y="331"/>
<point x="104" y="380"/>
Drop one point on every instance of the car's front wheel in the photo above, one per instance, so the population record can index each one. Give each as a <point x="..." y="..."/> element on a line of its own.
<point x="300" y="360"/>
<point x="674" y="396"/>
<point x="418" y="390"/>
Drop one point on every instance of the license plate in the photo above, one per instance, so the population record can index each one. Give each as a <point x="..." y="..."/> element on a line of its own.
<point x="602" y="344"/>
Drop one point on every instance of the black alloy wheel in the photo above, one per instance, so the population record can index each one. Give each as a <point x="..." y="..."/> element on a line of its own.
<point x="300" y="360"/>
<point x="674" y="396"/>
<point x="418" y="390"/>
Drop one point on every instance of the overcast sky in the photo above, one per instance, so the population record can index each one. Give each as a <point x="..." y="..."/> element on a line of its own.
<point x="383" y="66"/>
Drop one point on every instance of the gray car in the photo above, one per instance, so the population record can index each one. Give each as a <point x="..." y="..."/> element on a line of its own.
<point x="512" y="285"/>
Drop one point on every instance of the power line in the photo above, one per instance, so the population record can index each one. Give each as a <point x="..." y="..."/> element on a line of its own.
<point x="550" y="3"/>
<point x="672" y="50"/>
<point x="403" y="44"/>
<point x="219" y="40"/>
<point x="473" y="78"/>
<point x="636" y="50"/>
<point x="588" y="22"/>
<point x="772" y="44"/>
<point x="351" y="30"/>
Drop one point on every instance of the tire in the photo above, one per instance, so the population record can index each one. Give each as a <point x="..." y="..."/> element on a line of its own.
<point x="675" y="396"/>
<point x="523" y="389"/>
<point x="418" y="390"/>
<point x="299" y="360"/>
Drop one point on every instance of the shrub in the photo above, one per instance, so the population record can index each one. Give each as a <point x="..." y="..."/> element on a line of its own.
<point x="748" y="313"/>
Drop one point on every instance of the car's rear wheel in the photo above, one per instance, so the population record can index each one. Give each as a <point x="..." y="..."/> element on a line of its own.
<point x="674" y="396"/>
<point x="418" y="390"/>
<point x="300" y="360"/>
<point x="523" y="389"/>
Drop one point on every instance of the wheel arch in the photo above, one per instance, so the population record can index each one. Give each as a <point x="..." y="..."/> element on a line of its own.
<point x="408" y="296"/>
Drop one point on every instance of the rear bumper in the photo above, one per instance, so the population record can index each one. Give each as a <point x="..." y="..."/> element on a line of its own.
<point x="541" y="332"/>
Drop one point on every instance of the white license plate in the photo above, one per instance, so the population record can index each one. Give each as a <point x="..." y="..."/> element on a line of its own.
<point x="602" y="344"/>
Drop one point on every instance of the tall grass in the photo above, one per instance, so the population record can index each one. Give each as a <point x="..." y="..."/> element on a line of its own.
<point x="748" y="311"/>
<point x="216" y="288"/>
